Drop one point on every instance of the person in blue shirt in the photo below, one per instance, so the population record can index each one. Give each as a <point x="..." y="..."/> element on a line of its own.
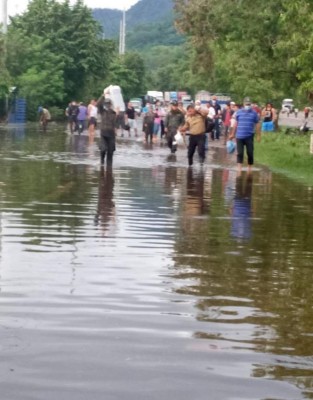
<point x="247" y="122"/>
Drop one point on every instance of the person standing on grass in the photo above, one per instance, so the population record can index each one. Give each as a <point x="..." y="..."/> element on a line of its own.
<point x="269" y="117"/>
<point x="247" y="122"/>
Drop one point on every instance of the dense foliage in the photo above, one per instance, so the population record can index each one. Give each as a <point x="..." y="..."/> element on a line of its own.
<point x="264" y="49"/>
<point x="55" y="53"/>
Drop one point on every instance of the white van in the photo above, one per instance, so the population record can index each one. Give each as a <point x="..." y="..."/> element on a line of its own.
<point x="114" y="93"/>
<point x="156" y="95"/>
<point x="287" y="106"/>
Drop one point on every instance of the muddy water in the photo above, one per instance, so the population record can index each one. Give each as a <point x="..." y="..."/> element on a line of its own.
<point x="151" y="282"/>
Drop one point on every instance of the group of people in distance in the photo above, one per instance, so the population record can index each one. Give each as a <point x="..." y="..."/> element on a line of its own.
<point x="79" y="116"/>
<point x="199" y="121"/>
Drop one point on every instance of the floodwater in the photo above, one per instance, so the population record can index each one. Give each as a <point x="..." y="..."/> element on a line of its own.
<point x="152" y="282"/>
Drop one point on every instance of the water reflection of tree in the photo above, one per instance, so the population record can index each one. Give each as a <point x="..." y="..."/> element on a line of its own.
<point x="264" y="282"/>
<point x="46" y="193"/>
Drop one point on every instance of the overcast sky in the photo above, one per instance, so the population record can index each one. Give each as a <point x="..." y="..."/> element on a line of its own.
<point x="18" y="6"/>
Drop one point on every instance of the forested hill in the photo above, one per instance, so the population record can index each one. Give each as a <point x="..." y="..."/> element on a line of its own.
<point x="142" y="13"/>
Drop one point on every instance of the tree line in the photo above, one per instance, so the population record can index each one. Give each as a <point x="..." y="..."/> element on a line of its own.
<point x="55" y="52"/>
<point x="261" y="49"/>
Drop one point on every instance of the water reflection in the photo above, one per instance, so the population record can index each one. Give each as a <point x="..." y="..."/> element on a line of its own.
<point x="242" y="208"/>
<point x="106" y="207"/>
<point x="196" y="204"/>
<point x="145" y="270"/>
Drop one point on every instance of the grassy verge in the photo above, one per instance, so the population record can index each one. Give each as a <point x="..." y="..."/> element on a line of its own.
<point x="288" y="154"/>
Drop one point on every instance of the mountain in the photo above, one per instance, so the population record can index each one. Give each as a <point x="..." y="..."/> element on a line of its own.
<point x="146" y="36"/>
<point x="142" y="13"/>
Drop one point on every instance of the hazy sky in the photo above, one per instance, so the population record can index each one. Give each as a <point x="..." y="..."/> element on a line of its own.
<point x="18" y="6"/>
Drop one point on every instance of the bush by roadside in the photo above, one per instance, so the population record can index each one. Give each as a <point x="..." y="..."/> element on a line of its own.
<point x="287" y="151"/>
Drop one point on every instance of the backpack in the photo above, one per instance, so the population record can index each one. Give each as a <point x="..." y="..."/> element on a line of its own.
<point x="209" y="124"/>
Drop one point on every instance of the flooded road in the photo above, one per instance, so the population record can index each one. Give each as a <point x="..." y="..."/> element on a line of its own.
<point x="152" y="282"/>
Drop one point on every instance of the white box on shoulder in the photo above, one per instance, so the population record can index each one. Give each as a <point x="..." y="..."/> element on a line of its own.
<point x="114" y="93"/>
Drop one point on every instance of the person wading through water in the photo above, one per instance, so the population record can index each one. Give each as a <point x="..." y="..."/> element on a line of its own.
<point x="195" y="124"/>
<point x="107" y="128"/>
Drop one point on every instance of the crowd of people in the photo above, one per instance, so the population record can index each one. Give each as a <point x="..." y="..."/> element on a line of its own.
<point x="196" y="124"/>
<point x="200" y="122"/>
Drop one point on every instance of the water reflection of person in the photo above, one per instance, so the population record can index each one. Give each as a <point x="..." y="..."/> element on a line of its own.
<point x="195" y="204"/>
<point x="242" y="208"/>
<point x="106" y="206"/>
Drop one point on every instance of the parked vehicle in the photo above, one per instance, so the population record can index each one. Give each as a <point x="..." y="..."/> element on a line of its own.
<point x="203" y="96"/>
<point x="173" y="96"/>
<point x="287" y="106"/>
<point x="186" y="98"/>
<point x="156" y="95"/>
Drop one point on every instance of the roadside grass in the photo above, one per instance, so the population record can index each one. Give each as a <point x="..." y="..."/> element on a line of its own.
<point x="287" y="152"/>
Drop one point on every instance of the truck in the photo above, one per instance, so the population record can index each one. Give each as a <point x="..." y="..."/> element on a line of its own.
<point x="203" y="96"/>
<point x="156" y="95"/>
<point x="173" y="96"/>
<point x="180" y="95"/>
<point x="167" y="97"/>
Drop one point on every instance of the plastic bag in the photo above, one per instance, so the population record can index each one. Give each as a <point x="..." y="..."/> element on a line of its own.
<point x="179" y="138"/>
<point x="230" y="146"/>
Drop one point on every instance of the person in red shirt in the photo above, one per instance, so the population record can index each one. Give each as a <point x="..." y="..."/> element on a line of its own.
<point x="257" y="109"/>
<point x="226" y="118"/>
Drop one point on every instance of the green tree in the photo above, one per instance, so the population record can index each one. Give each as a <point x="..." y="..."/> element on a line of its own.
<point x="4" y="73"/>
<point x="262" y="50"/>
<point x="71" y="34"/>
<point x="128" y="72"/>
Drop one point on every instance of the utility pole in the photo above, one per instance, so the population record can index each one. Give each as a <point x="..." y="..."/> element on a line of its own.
<point x="122" y="34"/>
<point x="4" y="15"/>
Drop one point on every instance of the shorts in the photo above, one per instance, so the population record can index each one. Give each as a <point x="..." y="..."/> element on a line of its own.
<point x="156" y="128"/>
<point x="268" y="126"/>
<point x="92" y="121"/>
<point x="132" y="123"/>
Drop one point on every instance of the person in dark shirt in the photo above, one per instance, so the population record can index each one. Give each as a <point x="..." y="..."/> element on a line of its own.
<point x="216" y="132"/>
<point x="148" y="125"/>
<point x="269" y="118"/>
<point x="73" y="112"/>
<point x="174" y="119"/>
<point x="130" y="118"/>
<point x="107" y="129"/>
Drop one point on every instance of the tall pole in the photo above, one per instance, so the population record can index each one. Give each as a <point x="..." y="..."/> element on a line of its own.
<point x="121" y="37"/>
<point x="124" y="31"/>
<point x="122" y="34"/>
<point x="4" y="15"/>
